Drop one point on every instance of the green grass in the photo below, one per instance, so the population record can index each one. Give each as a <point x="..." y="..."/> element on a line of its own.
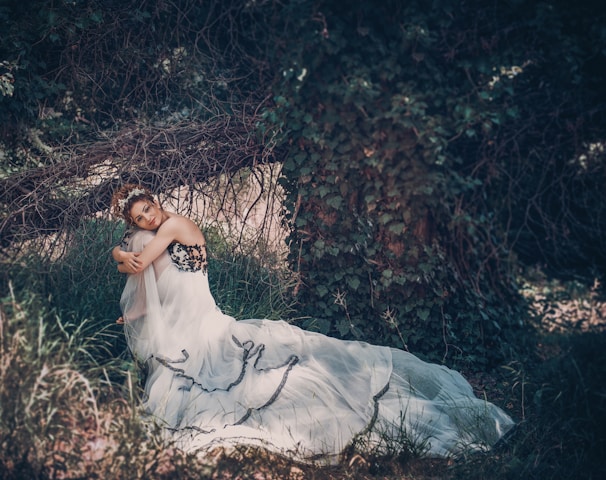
<point x="69" y="391"/>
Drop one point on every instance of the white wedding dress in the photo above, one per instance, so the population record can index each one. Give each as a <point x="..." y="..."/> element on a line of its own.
<point x="213" y="380"/>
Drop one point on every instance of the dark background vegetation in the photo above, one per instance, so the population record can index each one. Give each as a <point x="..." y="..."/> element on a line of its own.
<point x="442" y="185"/>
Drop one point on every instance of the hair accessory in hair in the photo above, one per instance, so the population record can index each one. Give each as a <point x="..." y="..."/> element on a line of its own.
<point x="133" y="193"/>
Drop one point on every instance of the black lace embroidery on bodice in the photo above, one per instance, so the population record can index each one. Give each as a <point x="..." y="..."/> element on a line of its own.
<point x="128" y="233"/>
<point x="189" y="258"/>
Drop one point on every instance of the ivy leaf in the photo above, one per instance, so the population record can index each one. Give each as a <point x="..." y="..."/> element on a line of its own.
<point x="321" y="290"/>
<point x="323" y="190"/>
<point x="423" y="313"/>
<point x="334" y="201"/>
<point x="396" y="227"/>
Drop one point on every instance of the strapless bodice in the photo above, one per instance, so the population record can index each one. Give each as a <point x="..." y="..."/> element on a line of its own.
<point x="188" y="258"/>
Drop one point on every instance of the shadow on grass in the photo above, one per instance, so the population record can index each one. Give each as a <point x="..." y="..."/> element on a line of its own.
<point x="562" y="395"/>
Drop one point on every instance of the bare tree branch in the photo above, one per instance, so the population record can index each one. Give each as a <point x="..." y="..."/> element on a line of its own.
<point x="163" y="157"/>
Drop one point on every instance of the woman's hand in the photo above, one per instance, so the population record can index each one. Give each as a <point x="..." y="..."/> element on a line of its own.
<point x="130" y="262"/>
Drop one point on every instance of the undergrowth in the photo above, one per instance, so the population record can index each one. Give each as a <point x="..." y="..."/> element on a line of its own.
<point x="69" y="391"/>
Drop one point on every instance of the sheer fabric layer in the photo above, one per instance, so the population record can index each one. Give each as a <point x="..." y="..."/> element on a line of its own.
<point x="213" y="380"/>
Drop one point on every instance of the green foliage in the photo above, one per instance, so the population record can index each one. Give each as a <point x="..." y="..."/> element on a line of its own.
<point x="79" y="279"/>
<point x="65" y="375"/>
<point x="83" y="285"/>
<point x="62" y="411"/>
<point x="542" y="166"/>
<point x="74" y="68"/>
<point x="461" y="131"/>
<point x="375" y="113"/>
<point x="424" y="141"/>
<point x="243" y="285"/>
<point x="43" y="395"/>
<point x="560" y="394"/>
<point x="63" y="415"/>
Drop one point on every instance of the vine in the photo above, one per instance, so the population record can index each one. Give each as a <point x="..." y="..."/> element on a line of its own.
<point x="375" y="186"/>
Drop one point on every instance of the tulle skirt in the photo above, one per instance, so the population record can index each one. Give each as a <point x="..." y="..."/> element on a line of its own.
<point x="213" y="381"/>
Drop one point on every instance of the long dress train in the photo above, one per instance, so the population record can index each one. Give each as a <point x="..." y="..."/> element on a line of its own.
<point x="213" y="380"/>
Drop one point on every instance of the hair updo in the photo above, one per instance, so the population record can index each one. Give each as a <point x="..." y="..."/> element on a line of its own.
<point x="126" y="197"/>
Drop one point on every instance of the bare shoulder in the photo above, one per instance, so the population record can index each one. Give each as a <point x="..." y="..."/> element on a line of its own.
<point x="176" y="219"/>
<point x="182" y="228"/>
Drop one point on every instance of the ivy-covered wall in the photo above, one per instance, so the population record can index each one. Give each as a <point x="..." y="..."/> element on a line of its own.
<point x="372" y="108"/>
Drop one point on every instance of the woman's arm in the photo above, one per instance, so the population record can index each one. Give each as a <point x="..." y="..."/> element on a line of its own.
<point x="123" y="269"/>
<point x="128" y="262"/>
<point x="165" y="235"/>
<point x="117" y="254"/>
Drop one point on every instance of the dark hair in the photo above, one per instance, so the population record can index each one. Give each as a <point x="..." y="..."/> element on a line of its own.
<point x="126" y="197"/>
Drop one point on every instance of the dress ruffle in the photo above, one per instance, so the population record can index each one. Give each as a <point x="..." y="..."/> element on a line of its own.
<point x="213" y="380"/>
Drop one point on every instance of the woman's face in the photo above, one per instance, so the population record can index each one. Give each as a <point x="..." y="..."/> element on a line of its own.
<point x="146" y="215"/>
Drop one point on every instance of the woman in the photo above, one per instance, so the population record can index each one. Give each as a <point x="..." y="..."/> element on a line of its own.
<point x="213" y="380"/>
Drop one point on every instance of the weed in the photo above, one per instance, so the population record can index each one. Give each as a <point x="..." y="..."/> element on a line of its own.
<point x="69" y="392"/>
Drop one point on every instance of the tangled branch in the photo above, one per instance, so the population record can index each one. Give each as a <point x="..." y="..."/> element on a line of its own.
<point x="189" y="154"/>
